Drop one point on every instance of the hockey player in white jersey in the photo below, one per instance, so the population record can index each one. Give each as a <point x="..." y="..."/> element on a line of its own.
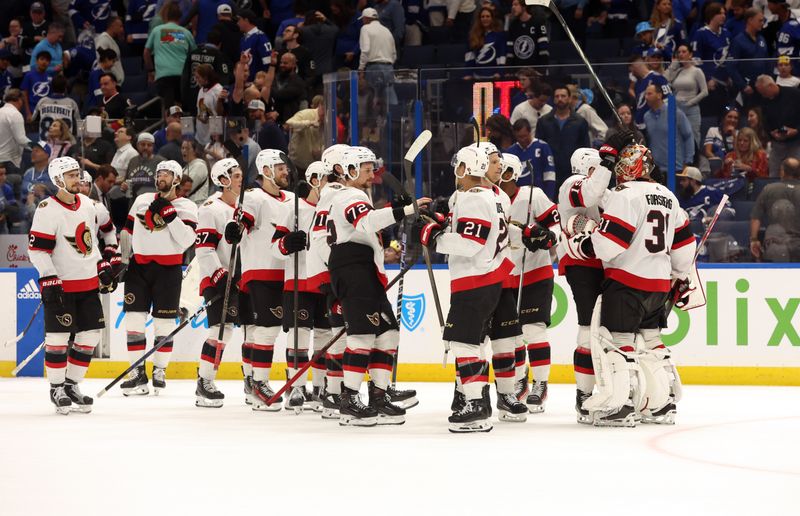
<point x="474" y="242"/>
<point x="358" y="280"/>
<point x="645" y="243"/>
<point x="213" y="254"/>
<point x="161" y="227"/>
<point x="537" y="278"/>
<point x="106" y="233"/>
<point x="63" y="247"/>
<point x="262" y="273"/>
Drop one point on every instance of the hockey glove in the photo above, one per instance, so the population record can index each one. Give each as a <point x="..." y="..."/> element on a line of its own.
<point x="609" y="151"/>
<point x="580" y="246"/>
<point x="164" y="208"/>
<point x="680" y="291"/>
<point x="292" y="243"/>
<point x="105" y="276"/>
<point x="219" y="278"/>
<point x="401" y="206"/>
<point x="52" y="293"/>
<point x="537" y="238"/>
<point x="433" y="216"/>
<point x="428" y="232"/>
<point x="233" y="232"/>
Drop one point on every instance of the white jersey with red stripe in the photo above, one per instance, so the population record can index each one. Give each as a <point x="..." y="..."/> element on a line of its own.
<point x="538" y="265"/>
<point x="582" y="195"/>
<point x="155" y="241"/>
<point x="105" y="227"/>
<point x="63" y="242"/>
<point x="320" y="251"/>
<point x="476" y="239"/>
<point x="213" y="252"/>
<point x="262" y="216"/>
<point x="644" y="239"/>
<point x="305" y="222"/>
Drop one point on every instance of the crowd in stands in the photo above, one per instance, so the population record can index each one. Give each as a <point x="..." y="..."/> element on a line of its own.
<point x="230" y="77"/>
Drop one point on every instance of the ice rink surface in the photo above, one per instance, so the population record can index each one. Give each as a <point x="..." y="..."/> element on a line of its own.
<point x="734" y="451"/>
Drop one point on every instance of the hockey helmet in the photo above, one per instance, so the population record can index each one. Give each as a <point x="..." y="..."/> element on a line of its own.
<point x="583" y="159"/>
<point x="223" y="168"/>
<point x="635" y="161"/>
<point x="170" y="165"/>
<point x="333" y="156"/>
<point x="86" y="177"/>
<point x="474" y="159"/>
<point x="60" y="166"/>
<point x="510" y="161"/>
<point x="354" y="157"/>
<point x="269" y="158"/>
<point x="317" y="170"/>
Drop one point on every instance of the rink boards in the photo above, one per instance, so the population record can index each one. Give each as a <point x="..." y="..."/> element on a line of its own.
<point x="746" y="334"/>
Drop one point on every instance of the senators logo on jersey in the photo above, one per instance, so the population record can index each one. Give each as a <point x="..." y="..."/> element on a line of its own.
<point x="152" y="221"/>
<point x="82" y="241"/>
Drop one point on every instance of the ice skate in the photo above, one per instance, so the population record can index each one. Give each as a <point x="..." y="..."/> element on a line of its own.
<point x="405" y="398"/>
<point x="388" y="413"/>
<point x="60" y="399"/>
<point x="207" y="394"/>
<point x="487" y="399"/>
<point x="624" y="416"/>
<point x="136" y="384"/>
<point x="316" y="399"/>
<point x="537" y="397"/>
<point x="262" y="393"/>
<point x="521" y="387"/>
<point x="473" y="417"/>
<point x="248" y="388"/>
<point x="511" y="409"/>
<point x="353" y="412"/>
<point x="295" y="400"/>
<point x="80" y="402"/>
<point x="663" y="416"/>
<point x="308" y="399"/>
<point x="459" y="400"/>
<point x="330" y="405"/>
<point x="159" y="379"/>
<point x="583" y="415"/>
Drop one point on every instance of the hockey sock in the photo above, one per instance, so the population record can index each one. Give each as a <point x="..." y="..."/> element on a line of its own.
<point x="333" y="363"/>
<point x="321" y="337"/>
<point x="381" y="358"/>
<point x="473" y="371"/>
<point x="207" y="355"/>
<point x="503" y="362"/>
<point x="80" y="355"/>
<point x="520" y="359"/>
<point x="303" y="337"/>
<point x="582" y="361"/>
<point x="535" y="337"/>
<point x="247" y="351"/>
<point x="356" y="359"/>
<point x="263" y="349"/>
<point x="137" y="341"/>
<point x="163" y="327"/>
<point x="55" y="356"/>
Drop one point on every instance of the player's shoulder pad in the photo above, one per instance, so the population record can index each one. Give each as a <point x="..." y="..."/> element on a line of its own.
<point x="208" y="202"/>
<point x="43" y="203"/>
<point x="620" y="188"/>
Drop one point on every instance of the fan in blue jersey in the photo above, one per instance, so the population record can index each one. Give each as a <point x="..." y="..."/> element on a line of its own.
<point x="644" y="78"/>
<point x="669" y="31"/>
<point x="137" y="20"/>
<point x="700" y="201"/>
<point x="536" y="156"/>
<point x="36" y="83"/>
<point x="487" y="44"/>
<point x="90" y="13"/>
<point x="711" y="44"/>
<point x="255" y="44"/>
<point x="788" y="42"/>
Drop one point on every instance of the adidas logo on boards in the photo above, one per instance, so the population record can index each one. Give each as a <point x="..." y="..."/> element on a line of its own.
<point x="29" y="291"/>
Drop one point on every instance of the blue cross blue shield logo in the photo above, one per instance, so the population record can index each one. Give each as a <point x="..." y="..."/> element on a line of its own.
<point x="413" y="310"/>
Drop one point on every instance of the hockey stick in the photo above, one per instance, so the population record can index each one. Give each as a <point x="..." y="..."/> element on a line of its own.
<point x="321" y="351"/>
<point x="524" y="253"/>
<point x="551" y="4"/>
<point x="27" y="327"/>
<point x="296" y="288"/>
<point x="27" y="359"/>
<point x="158" y="346"/>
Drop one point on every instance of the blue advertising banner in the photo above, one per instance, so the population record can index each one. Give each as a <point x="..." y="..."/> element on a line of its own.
<point x="28" y="299"/>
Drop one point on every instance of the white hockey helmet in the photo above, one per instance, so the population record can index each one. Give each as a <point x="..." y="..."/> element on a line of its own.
<point x="333" y="156"/>
<point x="269" y="158"/>
<point x="583" y="159"/>
<point x="86" y="177"/>
<point x="223" y="168"/>
<point x="511" y="161"/>
<point x="60" y="166"/>
<point x="354" y="157"/>
<point x="488" y="147"/>
<point x="317" y="170"/>
<point x="170" y="165"/>
<point x="474" y="159"/>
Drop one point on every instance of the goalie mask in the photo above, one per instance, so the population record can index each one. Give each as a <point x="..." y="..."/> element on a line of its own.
<point x="60" y="166"/>
<point x="223" y="168"/>
<point x="583" y="159"/>
<point x="510" y="161"/>
<point x="635" y="161"/>
<point x="269" y="158"/>
<point x="474" y="159"/>
<point x="353" y="158"/>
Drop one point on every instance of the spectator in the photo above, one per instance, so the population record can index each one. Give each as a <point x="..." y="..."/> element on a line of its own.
<point x="34" y="29"/>
<point x="781" y="108"/>
<point x="580" y="103"/>
<point x="349" y="24"/>
<point x="165" y="52"/>
<point x="737" y="19"/>
<point x="11" y="48"/>
<point x="645" y="38"/>
<point x="305" y="61"/>
<point x="184" y="187"/>
<point x="689" y="85"/>
<point x="205" y="12"/>
<point x="90" y="14"/>
<point x="669" y="32"/>
<point x="320" y="36"/>
<point x="526" y="78"/>
<point x="537" y="157"/>
<point x="6" y="80"/>
<point x="528" y="40"/>
<point x="172" y="149"/>
<point x="499" y="131"/>
<point x="141" y="173"/>
<point x="487" y="44"/>
<point x="269" y="135"/>
<point x="37" y="173"/>
<point x="626" y="115"/>
<point x="564" y="131"/>
<point x="299" y="8"/>
<point x="788" y="38"/>
<point x="196" y="169"/>
<point x="391" y="16"/>
<point x="210" y="54"/>
<point x="254" y="45"/>
<point x="210" y="100"/>
<point x="137" y="23"/>
<point x="288" y="90"/>
<point x="174" y="114"/>
<point x="56" y="105"/>
<point x="536" y="107"/>
<point x="720" y="140"/>
<point x="107" y="40"/>
<point x="12" y="127"/>
<point x="94" y="152"/>
<point x="748" y="159"/>
<point x="698" y="200"/>
<point x="305" y="142"/>
<point x="378" y="55"/>
<point x="230" y="35"/>
<point x="124" y="154"/>
<point x="459" y="18"/>
<point x="414" y="13"/>
<point x="248" y="149"/>
<point x="755" y="121"/>
<point x="655" y="121"/>
<point x="52" y="45"/>
<point x="711" y="45"/>
<point x="9" y="208"/>
<point x="785" y="77"/>
<point x="114" y="104"/>
<point x="644" y="78"/>
<point x="749" y="54"/>
<point x="104" y="181"/>
<point x="572" y="11"/>
<point x="778" y="208"/>
<point x="106" y="59"/>
<point x="59" y="139"/>
<point x="36" y="84"/>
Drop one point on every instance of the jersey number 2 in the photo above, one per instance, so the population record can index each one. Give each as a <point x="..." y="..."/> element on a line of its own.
<point x="660" y="222"/>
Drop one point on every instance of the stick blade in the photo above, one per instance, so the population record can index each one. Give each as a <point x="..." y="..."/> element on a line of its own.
<point x="416" y="147"/>
<point x="543" y="3"/>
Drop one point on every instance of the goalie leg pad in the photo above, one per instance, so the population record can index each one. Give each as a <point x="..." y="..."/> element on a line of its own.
<point x="613" y="367"/>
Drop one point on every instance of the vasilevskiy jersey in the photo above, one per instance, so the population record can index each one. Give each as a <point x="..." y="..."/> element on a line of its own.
<point x="155" y="241"/>
<point x="644" y="239"/>
<point x="262" y="214"/>
<point x="212" y="250"/>
<point x="63" y="242"/>
<point x="582" y="195"/>
<point x="544" y="212"/>
<point x="320" y="251"/>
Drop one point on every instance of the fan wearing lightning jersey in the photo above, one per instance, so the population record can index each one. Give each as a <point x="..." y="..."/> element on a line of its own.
<point x="358" y="280"/>
<point x="262" y="273"/>
<point x="474" y="242"/>
<point x="64" y="249"/>
<point x="537" y="278"/>
<point x="213" y="254"/>
<point x="104" y="228"/>
<point x="160" y="228"/>
<point x="644" y="243"/>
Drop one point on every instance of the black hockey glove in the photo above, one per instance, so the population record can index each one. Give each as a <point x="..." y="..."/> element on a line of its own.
<point x="112" y="256"/>
<point x="52" y="293"/>
<point x="292" y="243"/>
<point x="233" y="232"/>
<point x="537" y="238"/>
<point x="427" y="232"/>
<point x="609" y="151"/>
<point x="164" y="208"/>
<point x="105" y="276"/>
<point x="433" y="216"/>
<point x="680" y="291"/>
<point x="219" y="278"/>
<point x="398" y="206"/>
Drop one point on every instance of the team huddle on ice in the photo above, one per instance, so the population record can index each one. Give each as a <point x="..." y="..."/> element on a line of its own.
<point x="631" y="244"/>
